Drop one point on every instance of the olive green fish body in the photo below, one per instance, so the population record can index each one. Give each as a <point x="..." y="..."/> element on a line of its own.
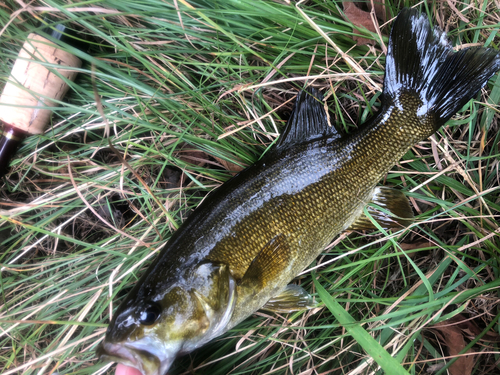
<point x="311" y="194"/>
<point x="248" y="239"/>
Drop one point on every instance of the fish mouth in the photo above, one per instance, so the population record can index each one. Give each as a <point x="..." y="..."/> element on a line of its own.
<point x="142" y="360"/>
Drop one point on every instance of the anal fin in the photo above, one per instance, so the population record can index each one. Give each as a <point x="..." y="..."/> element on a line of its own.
<point x="398" y="213"/>
<point x="271" y="260"/>
<point x="293" y="298"/>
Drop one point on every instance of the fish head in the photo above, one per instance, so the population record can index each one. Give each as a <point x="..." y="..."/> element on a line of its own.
<point x="150" y="329"/>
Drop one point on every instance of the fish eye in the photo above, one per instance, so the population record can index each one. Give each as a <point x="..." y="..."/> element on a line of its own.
<point x="150" y="313"/>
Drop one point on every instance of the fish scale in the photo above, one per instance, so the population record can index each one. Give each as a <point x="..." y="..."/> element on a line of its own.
<point x="247" y="240"/>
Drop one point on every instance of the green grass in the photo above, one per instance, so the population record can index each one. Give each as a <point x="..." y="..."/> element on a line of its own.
<point x="197" y="100"/>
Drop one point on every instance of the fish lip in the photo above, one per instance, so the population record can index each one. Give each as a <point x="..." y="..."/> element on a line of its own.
<point x="129" y="356"/>
<point x="108" y="351"/>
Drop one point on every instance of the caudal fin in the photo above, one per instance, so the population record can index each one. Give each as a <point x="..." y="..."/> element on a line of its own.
<point x="420" y="61"/>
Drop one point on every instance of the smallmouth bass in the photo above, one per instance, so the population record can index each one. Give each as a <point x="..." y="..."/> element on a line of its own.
<point x="240" y="249"/>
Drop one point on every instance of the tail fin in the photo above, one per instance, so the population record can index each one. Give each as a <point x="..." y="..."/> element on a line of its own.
<point x="420" y="60"/>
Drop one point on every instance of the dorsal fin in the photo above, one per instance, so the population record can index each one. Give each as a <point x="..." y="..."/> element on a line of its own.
<point x="308" y="120"/>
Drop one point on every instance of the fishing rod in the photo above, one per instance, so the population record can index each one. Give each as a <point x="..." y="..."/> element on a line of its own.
<point x="38" y="81"/>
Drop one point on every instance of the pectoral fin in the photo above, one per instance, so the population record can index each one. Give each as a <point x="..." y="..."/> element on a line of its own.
<point x="293" y="298"/>
<point x="398" y="213"/>
<point x="271" y="261"/>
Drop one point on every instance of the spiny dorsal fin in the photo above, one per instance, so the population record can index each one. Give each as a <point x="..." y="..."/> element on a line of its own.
<point x="308" y="120"/>
<point x="391" y="200"/>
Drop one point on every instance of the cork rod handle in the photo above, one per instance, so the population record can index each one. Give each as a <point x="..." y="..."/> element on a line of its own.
<point x="32" y="86"/>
